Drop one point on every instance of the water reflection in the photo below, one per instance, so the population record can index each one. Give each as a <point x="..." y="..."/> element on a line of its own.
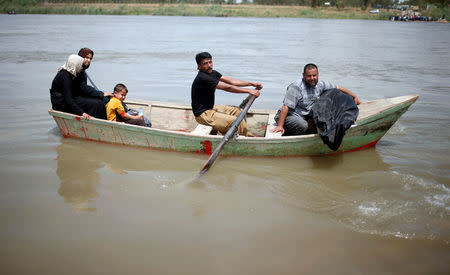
<point x="85" y="167"/>
<point x="77" y="171"/>
<point x="364" y="160"/>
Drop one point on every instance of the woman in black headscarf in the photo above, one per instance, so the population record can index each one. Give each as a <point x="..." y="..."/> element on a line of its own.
<point x="89" y="98"/>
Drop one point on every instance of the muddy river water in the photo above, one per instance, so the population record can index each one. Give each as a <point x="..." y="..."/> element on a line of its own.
<point x="76" y="207"/>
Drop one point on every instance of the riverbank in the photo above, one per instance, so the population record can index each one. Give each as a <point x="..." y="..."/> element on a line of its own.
<point x="199" y="10"/>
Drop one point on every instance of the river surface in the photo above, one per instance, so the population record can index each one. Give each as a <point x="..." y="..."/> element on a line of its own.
<point x="70" y="206"/>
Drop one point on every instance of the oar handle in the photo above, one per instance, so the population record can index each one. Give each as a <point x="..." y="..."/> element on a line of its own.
<point x="92" y="82"/>
<point x="227" y="136"/>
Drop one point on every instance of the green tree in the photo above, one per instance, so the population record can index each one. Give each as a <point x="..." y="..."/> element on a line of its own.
<point x="315" y="3"/>
<point x="340" y="4"/>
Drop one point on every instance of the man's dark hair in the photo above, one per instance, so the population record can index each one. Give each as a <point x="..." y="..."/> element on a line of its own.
<point x="309" y="66"/>
<point x="83" y="52"/>
<point x="200" y="56"/>
<point x="120" y="87"/>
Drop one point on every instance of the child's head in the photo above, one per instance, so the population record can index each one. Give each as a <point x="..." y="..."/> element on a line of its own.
<point x="120" y="91"/>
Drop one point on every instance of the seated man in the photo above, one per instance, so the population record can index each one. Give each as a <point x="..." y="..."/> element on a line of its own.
<point x="293" y="118"/>
<point x="203" y="95"/>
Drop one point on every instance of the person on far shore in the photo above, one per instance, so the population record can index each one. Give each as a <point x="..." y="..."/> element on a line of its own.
<point x="116" y="110"/>
<point x="203" y="96"/>
<point x="88" y="97"/>
<point x="294" y="117"/>
<point x="61" y="91"/>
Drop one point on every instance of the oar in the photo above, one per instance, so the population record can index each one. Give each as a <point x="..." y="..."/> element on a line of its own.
<point x="227" y="136"/>
<point x="92" y="82"/>
<point x="245" y="101"/>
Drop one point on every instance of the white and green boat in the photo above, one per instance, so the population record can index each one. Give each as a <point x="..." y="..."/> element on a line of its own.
<point x="174" y="128"/>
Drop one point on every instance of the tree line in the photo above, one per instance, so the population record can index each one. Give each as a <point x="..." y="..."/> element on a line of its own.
<point x="313" y="3"/>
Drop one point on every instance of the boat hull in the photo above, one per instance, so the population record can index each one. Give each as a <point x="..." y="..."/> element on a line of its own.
<point x="366" y="133"/>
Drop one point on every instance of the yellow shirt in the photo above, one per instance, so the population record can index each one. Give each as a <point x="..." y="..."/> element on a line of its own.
<point x="114" y="107"/>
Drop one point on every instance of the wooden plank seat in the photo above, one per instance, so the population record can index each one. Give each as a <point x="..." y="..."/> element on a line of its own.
<point x="202" y="130"/>
<point x="271" y="125"/>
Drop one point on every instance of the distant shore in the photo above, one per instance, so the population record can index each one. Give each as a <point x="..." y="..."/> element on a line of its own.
<point x="202" y="10"/>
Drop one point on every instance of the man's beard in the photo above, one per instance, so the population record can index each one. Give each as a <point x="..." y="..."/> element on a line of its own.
<point x="309" y="85"/>
<point x="85" y="66"/>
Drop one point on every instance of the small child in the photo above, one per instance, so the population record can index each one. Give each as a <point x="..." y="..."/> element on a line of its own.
<point x="116" y="110"/>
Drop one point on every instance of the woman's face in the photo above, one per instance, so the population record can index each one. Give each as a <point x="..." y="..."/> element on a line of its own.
<point x="87" y="61"/>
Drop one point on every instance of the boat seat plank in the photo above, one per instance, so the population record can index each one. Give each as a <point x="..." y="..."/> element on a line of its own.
<point x="202" y="130"/>
<point x="270" y="126"/>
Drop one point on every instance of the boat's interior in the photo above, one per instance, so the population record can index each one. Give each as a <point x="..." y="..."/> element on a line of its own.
<point x="177" y="117"/>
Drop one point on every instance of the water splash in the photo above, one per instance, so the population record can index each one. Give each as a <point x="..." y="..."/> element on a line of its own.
<point x="381" y="203"/>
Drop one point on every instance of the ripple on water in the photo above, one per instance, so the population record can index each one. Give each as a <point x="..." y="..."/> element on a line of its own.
<point x="370" y="209"/>
<point x="381" y="203"/>
<point x="304" y="192"/>
<point x="398" y="129"/>
<point x="402" y="206"/>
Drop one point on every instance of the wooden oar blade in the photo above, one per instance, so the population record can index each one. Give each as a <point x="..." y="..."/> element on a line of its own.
<point x="227" y="136"/>
<point x="214" y="155"/>
<point x="205" y="168"/>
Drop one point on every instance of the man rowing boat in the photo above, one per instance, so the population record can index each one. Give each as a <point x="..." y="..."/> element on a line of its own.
<point x="203" y="96"/>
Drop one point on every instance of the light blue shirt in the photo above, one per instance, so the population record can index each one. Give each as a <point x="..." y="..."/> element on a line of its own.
<point x="300" y="97"/>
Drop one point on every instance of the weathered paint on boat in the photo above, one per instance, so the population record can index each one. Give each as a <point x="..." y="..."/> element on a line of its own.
<point x="175" y="131"/>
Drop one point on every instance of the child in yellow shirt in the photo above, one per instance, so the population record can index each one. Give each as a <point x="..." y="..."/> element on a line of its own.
<point x="116" y="110"/>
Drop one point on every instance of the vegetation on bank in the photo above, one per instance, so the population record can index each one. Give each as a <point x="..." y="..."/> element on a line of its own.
<point x="338" y="9"/>
<point x="199" y="10"/>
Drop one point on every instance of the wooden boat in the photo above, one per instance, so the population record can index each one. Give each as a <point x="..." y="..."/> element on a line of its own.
<point x="174" y="128"/>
